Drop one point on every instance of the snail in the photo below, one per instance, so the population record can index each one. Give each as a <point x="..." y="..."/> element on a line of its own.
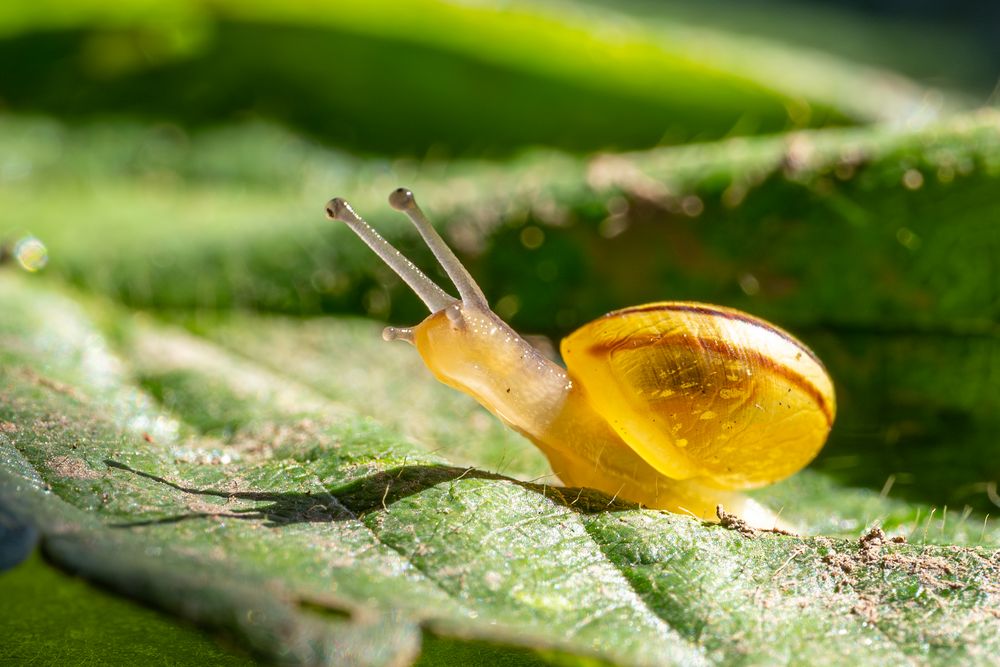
<point x="673" y="405"/>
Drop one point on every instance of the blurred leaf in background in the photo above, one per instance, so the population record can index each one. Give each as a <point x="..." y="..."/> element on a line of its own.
<point x="196" y="413"/>
<point x="429" y="76"/>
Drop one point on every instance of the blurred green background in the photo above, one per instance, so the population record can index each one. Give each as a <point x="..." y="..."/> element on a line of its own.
<point x="174" y="156"/>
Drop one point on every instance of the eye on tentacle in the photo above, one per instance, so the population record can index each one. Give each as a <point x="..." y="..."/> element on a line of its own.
<point x="398" y="333"/>
<point x="402" y="200"/>
<point x="433" y="296"/>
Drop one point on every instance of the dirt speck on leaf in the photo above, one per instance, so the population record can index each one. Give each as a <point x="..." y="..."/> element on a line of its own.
<point x="842" y="562"/>
<point x="871" y="545"/>
<point x="876" y="555"/>
<point x="733" y="522"/>
<point x="71" y="468"/>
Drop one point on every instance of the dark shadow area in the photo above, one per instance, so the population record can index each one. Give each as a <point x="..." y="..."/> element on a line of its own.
<point x="17" y="540"/>
<point x="444" y="650"/>
<point x="374" y="493"/>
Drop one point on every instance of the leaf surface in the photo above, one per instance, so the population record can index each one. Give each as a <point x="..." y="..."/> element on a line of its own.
<point x="249" y="500"/>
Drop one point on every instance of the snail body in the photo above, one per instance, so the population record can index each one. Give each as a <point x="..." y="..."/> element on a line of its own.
<point x="674" y="405"/>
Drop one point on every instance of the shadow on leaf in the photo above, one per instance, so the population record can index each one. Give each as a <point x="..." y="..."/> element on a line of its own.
<point x="374" y="493"/>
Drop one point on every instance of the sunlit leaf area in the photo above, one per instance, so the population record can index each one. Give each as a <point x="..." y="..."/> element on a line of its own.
<point x="210" y="456"/>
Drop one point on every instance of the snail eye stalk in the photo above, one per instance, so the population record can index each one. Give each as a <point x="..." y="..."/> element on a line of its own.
<point x="433" y="296"/>
<point x="402" y="200"/>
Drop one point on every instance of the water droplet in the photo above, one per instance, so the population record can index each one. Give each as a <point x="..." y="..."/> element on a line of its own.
<point x="913" y="179"/>
<point x="31" y="254"/>
<point x="532" y="237"/>
<point x="734" y="195"/>
<point x="376" y="302"/>
<point x="946" y="173"/>
<point x="692" y="206"/>
<point x="749" y="284"/>
<point x="612" y="226"/>
<point x="907" y="238"/>
<point x="507" y="306"/>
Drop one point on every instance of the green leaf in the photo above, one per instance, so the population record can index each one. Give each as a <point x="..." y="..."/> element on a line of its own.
<point x="407" y="77"/>
<point x="252" y="502"/>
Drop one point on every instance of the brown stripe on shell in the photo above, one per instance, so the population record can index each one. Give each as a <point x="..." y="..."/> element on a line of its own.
<point x="724" y="349"/>
<point x="702" y="309"/>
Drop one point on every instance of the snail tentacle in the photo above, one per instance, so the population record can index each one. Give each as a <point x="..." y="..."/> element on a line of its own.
<point x="402" y="200"/>
<point x="398" y="333"/>
<point x="433" y="296"/>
